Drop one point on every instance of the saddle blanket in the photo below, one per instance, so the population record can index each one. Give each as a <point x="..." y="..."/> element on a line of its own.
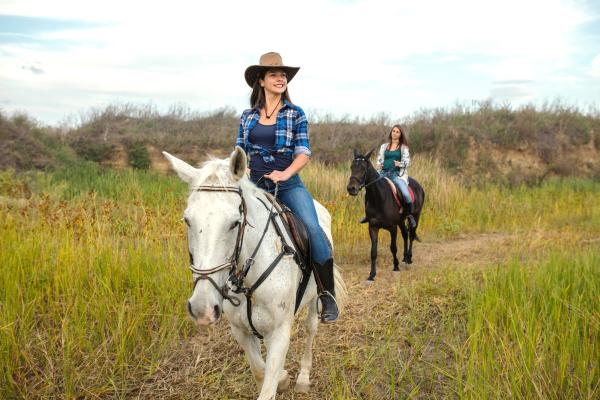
<point x="398" y="196"/>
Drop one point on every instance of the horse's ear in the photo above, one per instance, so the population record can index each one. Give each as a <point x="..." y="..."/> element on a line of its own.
<point x="356" y="153"/>
<point x="237" y="163"/>
<point x="186" y="172"/>
<point x="368" y="155"/>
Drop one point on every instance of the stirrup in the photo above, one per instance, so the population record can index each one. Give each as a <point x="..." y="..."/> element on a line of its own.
<point x="332" y="314"/>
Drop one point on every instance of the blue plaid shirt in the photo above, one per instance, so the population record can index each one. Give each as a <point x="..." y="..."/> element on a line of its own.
<point x="291" y="132"/>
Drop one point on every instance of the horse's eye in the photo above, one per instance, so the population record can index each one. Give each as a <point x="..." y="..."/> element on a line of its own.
<point x="234" y="225"/>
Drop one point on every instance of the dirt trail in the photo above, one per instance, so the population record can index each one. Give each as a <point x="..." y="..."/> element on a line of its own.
<point x="212" y="366"/>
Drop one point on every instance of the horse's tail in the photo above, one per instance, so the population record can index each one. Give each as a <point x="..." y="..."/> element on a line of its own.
<point x="341" y="293"/>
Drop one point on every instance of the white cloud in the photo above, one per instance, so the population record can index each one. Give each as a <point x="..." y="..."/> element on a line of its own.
<point x="595" y="69"/>
<point x="356" y="57"/>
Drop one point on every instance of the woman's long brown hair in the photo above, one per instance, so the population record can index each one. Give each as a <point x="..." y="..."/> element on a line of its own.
<point x="257" y="98"/>
<point x="403" y="138"/>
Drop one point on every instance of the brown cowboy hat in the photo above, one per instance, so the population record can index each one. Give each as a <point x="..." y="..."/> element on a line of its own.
<point x="268" y="61"/>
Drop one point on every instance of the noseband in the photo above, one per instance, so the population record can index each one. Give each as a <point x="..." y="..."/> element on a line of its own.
<point x="232" y="264"/>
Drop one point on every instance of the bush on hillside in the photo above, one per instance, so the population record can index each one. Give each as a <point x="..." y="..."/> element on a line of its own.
<point x="138" y="156"/>
<point x="26" y="145"/>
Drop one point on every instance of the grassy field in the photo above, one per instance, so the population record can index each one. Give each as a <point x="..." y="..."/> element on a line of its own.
<point x="93" y="287"/>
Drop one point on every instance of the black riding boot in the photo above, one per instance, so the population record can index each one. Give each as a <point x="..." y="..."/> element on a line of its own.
<point x="329" y="309"/>
<point x="411" y="218"/>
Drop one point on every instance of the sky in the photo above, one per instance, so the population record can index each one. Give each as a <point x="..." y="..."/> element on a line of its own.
<point x="357" y="59"/>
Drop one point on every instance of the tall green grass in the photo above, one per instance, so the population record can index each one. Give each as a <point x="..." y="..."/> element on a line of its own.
<point x="534" y="330"/>
<point x="528" y="329"/>
<point x="92" y="291"/>
<point x="93" y="285"/>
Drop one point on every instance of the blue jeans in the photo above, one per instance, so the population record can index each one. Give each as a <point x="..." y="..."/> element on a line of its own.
<point x="294" y="195"/>
<point x="400" y="184"/>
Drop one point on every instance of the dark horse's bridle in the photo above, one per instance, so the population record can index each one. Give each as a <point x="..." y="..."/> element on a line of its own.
<point x="235" y="281"/>
<point x="363" y="184"/>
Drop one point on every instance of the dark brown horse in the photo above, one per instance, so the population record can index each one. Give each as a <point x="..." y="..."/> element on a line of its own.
<point x="381" y="209"/>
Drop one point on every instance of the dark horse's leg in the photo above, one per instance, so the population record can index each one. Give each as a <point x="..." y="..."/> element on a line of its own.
<point x="412" y="234"/>
<point x="373" y="234"/>
<point x="407" y="243"/>
<point x="393" y="247"/>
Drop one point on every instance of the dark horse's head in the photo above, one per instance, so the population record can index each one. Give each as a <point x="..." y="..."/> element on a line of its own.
<point x="359" y="168"/>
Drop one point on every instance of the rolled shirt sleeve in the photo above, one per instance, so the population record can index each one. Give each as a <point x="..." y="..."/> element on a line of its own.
<point x="300" y="130"/>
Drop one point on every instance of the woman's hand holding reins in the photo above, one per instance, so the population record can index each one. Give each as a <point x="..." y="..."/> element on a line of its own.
<point x="278" y="176"/>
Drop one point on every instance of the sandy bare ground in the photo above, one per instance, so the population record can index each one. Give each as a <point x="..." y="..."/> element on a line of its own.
<point x="210" y="365"/>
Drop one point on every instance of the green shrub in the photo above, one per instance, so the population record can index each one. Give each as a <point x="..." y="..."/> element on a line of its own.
<point x="93" y="151"/>
<point x="137" y="155"/>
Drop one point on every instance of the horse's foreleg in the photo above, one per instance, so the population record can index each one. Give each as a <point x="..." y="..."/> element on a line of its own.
<point x="311" y="323"/>
<point x="411" y="238"/>
<point x="373" y="234"/>
<point x="393" y="247"/>
<point x="251" y="346"/>
<point x="404" y="230"/>
<point x="277" y="347"/>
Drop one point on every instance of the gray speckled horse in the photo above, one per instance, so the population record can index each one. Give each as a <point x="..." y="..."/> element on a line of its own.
<point x="224" y="206"/>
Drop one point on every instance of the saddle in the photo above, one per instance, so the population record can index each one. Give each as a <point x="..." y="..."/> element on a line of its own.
<point x="398" y="196"/>
<point x="295" y="228"/>
<point x="298" y="233"/>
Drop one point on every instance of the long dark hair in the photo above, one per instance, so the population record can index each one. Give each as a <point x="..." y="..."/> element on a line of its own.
<point x="403" y="138"/>
<point x="257" y="98"/>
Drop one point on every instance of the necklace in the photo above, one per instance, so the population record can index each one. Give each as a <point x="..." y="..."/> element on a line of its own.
<point x="276" y="105"/>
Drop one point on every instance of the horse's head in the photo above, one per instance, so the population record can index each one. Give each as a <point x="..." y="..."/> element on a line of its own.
<point x="358" y="172"/>
<point x="214" y="217"/>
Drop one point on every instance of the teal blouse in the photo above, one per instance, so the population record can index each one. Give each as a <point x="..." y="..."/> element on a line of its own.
<point x="388" y="159"/>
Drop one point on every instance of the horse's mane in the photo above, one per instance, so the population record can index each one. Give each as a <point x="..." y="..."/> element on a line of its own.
<point x="215" y="172"/>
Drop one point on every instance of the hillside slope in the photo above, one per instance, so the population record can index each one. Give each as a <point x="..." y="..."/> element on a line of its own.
<point x="482" y="144"/>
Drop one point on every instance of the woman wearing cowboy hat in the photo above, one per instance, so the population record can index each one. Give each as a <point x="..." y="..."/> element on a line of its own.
<point x="274" y="134"/>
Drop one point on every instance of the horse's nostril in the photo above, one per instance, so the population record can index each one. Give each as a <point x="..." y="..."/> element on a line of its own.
<point x="217" y="312"/>
<point x="190" y="309"/>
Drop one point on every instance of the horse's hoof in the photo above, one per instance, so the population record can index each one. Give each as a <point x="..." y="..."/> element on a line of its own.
<point x="284" y="382"/>
<point x="396" y="270"/>
<point x="302" y="387"/>
<point x="408" y="261"/>
<point x="368" y="282"/>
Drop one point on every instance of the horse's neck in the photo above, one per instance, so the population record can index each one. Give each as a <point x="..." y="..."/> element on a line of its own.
<point x="374" y="189"/>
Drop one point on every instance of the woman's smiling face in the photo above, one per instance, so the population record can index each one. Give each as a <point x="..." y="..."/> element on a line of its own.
<point x="275" y="81"/>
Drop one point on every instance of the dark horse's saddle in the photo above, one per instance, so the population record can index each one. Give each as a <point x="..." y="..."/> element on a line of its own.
<point x="298" y="233"/>
<point x="398" y="196"/>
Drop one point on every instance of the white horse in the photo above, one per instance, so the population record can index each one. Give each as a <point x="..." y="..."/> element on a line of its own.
<point x="226" y="220"/>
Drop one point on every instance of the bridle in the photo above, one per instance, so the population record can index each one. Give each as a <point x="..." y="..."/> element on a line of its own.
<point x="235" y="281"/>
<point x="364" y="183"/>
<point x="232" y="264"/>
